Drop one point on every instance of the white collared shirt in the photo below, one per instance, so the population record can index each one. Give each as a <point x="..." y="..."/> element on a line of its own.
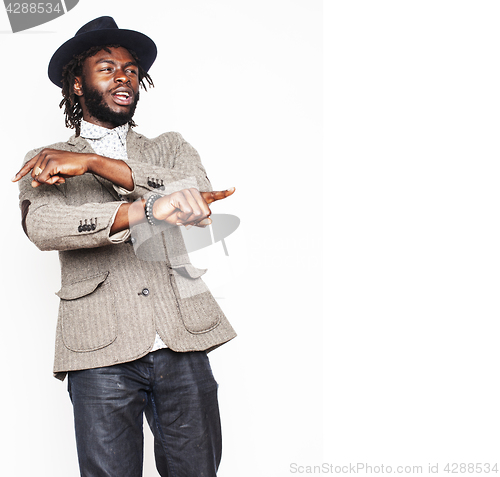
<point x="106" y="142"/>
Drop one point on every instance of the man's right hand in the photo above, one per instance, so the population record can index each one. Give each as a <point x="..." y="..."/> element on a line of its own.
<point x="53" y="166"/>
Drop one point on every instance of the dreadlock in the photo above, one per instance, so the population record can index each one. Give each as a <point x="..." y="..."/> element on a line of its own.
<point x="72" y="109"/>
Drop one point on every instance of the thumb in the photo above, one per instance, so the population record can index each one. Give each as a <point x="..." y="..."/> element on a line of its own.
<point x="210" y="197"/>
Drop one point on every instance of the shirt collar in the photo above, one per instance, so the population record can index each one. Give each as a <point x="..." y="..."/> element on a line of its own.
<point x="93" y="131"/>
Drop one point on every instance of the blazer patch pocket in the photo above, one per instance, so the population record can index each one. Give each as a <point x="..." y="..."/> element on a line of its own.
<point x="187" y="280"/>
<point x="88" y="314"/>
<point x="199" y="311"/>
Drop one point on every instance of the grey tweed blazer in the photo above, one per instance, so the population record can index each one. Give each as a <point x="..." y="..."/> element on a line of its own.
<point x="118" y="291"/>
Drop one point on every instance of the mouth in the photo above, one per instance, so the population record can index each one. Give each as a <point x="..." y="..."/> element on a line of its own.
<point x="122" y="96"/>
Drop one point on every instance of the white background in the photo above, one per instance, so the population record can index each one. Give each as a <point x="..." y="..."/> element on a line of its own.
<point x="242" y="82"/>
<point x="410" y="209"/>
<point x="412" y="316"/>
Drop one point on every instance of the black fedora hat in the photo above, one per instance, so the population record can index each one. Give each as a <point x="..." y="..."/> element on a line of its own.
<point x="100" y="32"/>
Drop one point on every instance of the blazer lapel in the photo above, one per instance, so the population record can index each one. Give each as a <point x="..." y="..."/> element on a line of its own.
<point x="135" y="144"/>
<point x="80" y="144"/>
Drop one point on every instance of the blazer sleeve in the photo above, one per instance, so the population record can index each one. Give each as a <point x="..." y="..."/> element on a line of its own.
<point x="52" y="221"/>
<point x="167" y="164"/>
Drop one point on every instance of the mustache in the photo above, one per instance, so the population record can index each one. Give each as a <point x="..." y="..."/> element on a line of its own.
<point x="97" y="107"/>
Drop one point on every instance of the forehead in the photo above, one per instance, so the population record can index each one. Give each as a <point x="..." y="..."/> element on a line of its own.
<point x="119" y="55"/>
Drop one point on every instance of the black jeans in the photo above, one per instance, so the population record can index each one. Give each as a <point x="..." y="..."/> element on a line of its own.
<point x="178" y="394"/>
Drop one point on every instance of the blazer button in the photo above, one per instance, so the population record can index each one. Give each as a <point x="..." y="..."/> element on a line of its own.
<point x="145" y="292"/>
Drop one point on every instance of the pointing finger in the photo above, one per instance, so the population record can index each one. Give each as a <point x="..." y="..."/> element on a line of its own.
<point x="25" y="169"/>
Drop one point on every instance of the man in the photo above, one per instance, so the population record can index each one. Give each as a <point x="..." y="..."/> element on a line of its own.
<point x="135" y="319"/>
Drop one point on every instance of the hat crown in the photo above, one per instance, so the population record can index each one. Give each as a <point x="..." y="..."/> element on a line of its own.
<point x="100" y="32"/>
<point x="101" y="23"/>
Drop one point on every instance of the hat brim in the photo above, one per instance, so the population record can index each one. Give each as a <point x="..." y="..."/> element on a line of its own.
<point x="141" y="44"/>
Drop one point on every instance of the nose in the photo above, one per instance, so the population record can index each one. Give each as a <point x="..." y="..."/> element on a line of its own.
<point x="121" y="77"/>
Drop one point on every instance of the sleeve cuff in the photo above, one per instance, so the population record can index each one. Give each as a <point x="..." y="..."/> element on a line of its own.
<point x="121" y="236"/>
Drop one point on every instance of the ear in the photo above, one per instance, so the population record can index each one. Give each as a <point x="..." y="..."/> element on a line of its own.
<point x="77" y="86"/>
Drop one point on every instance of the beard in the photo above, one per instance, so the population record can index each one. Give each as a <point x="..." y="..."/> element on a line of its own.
<point x="97" y="107"/>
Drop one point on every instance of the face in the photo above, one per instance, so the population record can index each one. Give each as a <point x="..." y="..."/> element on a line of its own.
<point x="108" y="89"/>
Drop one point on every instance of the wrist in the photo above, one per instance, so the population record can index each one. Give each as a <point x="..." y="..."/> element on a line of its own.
<point x="150" y="211"/>
<point x="154" y="210"/>
<point x="92" y="163"/>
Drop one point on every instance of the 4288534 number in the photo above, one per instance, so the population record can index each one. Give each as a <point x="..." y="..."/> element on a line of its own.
<point x="43" y="7"/>
<point x="463" y="468"/>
